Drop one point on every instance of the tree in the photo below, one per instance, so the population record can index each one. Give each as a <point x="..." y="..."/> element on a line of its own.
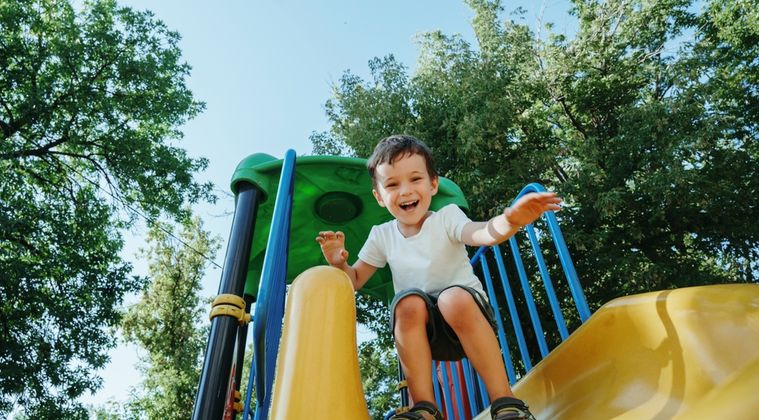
<point x="90" y="104"/>
<point x="665" y="182"/>
<point x="166" y="322"/>
<point x="645" y="121"/>
<point x="379" y="377"/>
<point x="379" y="366"/>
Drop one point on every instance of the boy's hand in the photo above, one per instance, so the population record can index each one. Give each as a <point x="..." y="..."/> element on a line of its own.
<point x="531" y="206"/>
<point x="333" y="247"/>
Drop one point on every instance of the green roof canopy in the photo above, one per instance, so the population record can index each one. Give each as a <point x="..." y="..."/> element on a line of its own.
<point x="329" y="193"/>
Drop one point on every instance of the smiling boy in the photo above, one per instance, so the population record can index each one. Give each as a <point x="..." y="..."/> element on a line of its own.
<point x="440" y="310"/>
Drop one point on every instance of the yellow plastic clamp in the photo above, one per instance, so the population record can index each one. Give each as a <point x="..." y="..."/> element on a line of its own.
<point x="229" y="305"/>
<point x="237" y="405"/>
<point x="402" y="384"/>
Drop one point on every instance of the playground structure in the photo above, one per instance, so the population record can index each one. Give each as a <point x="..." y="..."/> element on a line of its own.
<point x="687" y="353"/>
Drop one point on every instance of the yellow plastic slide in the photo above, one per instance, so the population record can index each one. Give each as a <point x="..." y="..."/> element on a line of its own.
<point x="317" y="375"/>
<point x="689" y="353"/>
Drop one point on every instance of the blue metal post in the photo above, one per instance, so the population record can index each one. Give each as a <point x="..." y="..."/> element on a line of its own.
<point x="511" y="303"/>
<point x="501" y="332"/>
<point x="550" y="293"/>
<point x="527" y="291"/>
<point x="271" y="293"/>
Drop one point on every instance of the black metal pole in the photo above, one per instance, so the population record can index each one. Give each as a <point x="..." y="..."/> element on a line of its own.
<point x="403" y="389"/>
<point x="214" y="378"/>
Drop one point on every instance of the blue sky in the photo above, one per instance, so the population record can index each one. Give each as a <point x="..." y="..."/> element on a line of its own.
<point x="265" y="69"/>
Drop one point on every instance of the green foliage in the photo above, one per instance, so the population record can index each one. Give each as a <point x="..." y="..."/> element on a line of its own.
<point x="90" y="104"/>
<point x="247" y="364"/>
<point x="373" y="314"/>
<point x="166" y="322"/>
<point x="111" y="410"/>
<point x="379" y="376"/>
<point x="379" y="367"/>
<point x="645" y="121"/>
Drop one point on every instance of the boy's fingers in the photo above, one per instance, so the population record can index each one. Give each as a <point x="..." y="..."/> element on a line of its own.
<point x="327" y="234"/>
<point x="340" y="235"/>
<point x="549" y="196"/>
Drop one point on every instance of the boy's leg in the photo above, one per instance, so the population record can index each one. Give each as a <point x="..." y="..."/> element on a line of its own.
<point x="475" y="333"/>
<point x="410" y="317"/>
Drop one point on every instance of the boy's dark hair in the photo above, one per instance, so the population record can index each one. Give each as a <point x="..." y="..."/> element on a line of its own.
<point x="391" y="148"/>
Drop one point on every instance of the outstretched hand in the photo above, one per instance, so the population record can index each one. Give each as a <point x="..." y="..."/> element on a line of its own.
<point x="531" y="206"/>
<point x="333" y="247"/>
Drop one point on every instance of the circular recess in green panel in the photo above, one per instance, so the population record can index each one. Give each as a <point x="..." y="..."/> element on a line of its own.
<point x="338" y="207"/>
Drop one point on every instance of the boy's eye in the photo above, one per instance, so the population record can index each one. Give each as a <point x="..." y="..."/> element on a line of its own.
<point x="390" y="185"/>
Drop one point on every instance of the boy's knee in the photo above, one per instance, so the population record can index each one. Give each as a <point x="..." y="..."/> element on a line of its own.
<point x="457" y="306"/>
<point x="411" y="309"/>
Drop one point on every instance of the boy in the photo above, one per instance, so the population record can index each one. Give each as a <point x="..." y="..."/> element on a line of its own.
<point x="440" y="310"/>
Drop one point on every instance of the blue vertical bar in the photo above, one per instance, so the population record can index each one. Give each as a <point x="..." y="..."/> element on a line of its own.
<point x="569" y="268"/>
<point x="483" y="392"/>
<point x="470" y="390"/>
<point x="457" y="390"/>
<point x="501" y="333"/>
<point x="246" y="413"/>
<point x="446" y="391"/>
<point x="528" y="298"/>
<point x="271" y="294"/>
<point x="436" y="385"/>
<point x="547" y="283"/>
<point x="515" y="321"/>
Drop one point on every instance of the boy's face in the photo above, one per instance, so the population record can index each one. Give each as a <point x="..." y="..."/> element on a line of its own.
<point x="405" y="189"/>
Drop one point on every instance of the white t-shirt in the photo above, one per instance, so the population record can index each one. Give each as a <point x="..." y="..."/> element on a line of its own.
<point x="431" y="260"/>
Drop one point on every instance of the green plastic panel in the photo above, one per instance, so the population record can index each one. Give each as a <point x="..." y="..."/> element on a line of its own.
<point x="329" y="193"/>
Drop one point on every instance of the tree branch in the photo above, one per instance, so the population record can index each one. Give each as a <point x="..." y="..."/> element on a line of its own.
<point x="560" y="173"/>
<point x="575" y="123"/>
<point x="40" y="151"/>
<point x="6" y="128"/>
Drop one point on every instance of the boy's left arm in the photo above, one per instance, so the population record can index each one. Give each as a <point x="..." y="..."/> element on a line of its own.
<point x="503" y="226"/>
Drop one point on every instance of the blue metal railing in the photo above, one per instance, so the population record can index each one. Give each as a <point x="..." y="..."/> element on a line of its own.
<point x="270" y="303"/>
<point x="566" y="261"/>
<point x="472" y="381"/>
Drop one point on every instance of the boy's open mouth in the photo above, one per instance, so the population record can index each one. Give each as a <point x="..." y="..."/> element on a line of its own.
<point x="409" y="205"/>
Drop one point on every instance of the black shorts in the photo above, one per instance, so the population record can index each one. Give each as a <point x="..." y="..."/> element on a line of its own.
<point x="444" y="343"/>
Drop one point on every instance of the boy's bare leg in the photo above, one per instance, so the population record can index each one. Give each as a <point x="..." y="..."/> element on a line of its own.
<point x="476" y="335"/>
<point x="413" y="347"/>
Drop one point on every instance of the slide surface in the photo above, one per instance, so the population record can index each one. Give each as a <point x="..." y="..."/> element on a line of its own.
<point x="689" y="353"/>
<point x="317" y="374"/>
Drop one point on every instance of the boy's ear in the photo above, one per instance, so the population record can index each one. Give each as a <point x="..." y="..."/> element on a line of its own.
<point x="435" y="184"/>
<point x="378" y="197"/>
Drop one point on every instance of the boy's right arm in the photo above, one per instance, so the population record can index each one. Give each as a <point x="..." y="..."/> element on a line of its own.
<point x="333" y="248"/>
